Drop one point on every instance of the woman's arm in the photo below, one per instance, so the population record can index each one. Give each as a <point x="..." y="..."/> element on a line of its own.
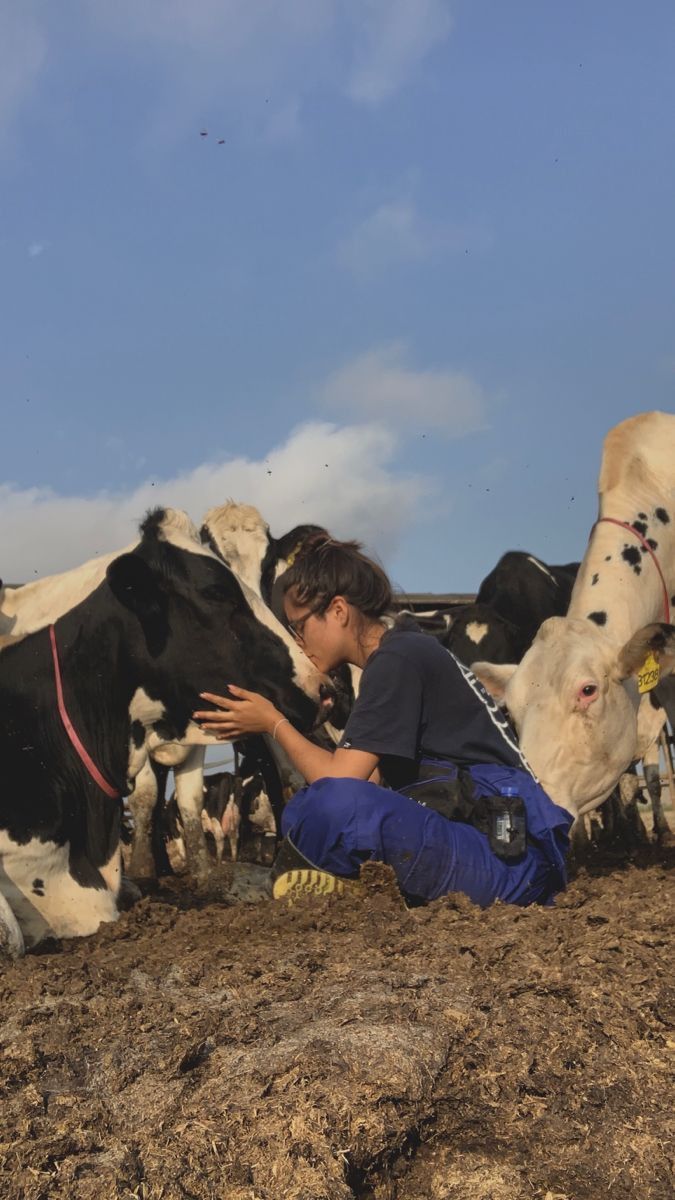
<point x="252" y="713"/>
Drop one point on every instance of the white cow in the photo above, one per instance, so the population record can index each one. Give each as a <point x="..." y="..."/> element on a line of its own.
<point x="574" y="697"/>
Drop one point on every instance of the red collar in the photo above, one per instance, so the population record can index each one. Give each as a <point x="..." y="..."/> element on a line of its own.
<point x="648" y="548"/>
<point x="85" y="758"/>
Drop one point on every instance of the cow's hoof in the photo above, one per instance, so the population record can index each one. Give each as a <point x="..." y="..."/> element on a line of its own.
<point x="11" y="938"/>
<point x="129" y="894"/>
<point x="664" y="837"/>
<point x="212" y="885"/>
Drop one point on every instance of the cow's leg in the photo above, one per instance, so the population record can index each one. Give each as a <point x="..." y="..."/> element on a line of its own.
<point x="229" y="826"/>
<point x="611" y="816"/>
<point x="661" y="832"/>
<point x="11" y="937"/>
<point x="142" y="801"/>
<point x="629" y="791"/>
<point x="580" y="843"/>
<point x="189" y="777"/>
<point x="262" y="819"/>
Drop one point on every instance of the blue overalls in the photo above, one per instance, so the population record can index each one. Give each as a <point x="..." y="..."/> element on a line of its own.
<point x="338" y="824"/>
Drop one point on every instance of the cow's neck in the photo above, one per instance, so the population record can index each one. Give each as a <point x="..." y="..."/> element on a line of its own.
<point x="619" y="587"/>
<point x="98" y="682"/>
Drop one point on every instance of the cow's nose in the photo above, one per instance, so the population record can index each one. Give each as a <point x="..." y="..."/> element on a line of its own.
<point x="327" y="697"/>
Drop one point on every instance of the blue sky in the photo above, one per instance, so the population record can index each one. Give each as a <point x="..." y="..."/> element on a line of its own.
<point x="427" y="270"/>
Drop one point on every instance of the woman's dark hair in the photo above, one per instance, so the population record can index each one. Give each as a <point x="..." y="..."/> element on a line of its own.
<point x="325" y="568"/>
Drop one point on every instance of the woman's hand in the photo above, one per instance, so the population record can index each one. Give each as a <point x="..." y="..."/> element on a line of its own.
<point x="248" y="713"/>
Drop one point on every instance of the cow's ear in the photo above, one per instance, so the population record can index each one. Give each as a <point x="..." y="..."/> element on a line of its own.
<point x="658" y="640"/>
<point x="135" y="585"/>
<point x="494" y="677"/>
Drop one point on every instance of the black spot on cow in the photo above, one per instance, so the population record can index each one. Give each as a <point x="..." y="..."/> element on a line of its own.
<point x="600" y="618"/>
<point x="608" y="558"/>
<point x="662" y="515"/>
<point x="631" y="555"/>
<point x="652" y="543"/>
<point x="168" y="731"/>
<point x="137" y="733"/>
<point x="642" y="516"/>
<point x="38" y="887"/>
<point x="594" y="580"/>
<point x="640" y="527"/>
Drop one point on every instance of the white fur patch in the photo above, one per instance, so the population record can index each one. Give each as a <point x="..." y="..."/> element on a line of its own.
<point x="544" y="570"/>
<point x="59" y="906"/>
<point x="144" y="709"/>
<point x="475" y="631"/>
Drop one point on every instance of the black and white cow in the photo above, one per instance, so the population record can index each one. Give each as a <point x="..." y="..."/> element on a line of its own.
<point x="514" y="599"/>
<point x="231" y="802"/>
<point x="477" y="630"/>
<point x="168" y="621"/>
<point x="32" y="606"/>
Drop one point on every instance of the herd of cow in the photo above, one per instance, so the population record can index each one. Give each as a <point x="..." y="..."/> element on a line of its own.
<point x="101" y="668"/>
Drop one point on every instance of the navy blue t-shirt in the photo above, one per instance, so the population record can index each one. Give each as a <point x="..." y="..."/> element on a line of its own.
<point x="417" y="701"/>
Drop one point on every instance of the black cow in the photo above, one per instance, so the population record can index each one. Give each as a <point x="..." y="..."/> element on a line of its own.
<point x="517" y="596"/>
<point x="478" y="633"/>
<point x="525" y="591"/>
<point x="169" y="621"/>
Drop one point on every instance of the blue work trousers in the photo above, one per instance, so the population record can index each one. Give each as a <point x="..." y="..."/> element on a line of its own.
<point x="338" y="824"/>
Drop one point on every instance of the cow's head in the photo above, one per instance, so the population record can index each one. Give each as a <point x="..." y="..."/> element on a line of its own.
<point x="574" y="701"/>
<point x="239" y="535"/>
<point x="196" y="628"/>
<point x="281" y="555"/>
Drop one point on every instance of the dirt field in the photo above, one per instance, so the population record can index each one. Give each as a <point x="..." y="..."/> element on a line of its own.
<point x="342" y="1049"/>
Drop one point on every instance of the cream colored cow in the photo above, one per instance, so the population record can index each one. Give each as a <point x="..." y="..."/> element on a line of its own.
<point x="574" y="697"/>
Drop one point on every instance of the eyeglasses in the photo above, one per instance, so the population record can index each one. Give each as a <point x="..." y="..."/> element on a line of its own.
<point x="297" y="627"/>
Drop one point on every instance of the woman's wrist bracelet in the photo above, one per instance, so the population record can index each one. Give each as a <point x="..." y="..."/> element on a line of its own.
<point x="279" y="722"/>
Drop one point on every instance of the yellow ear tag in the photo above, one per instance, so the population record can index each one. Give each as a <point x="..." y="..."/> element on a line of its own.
<point x="649" y="675"/>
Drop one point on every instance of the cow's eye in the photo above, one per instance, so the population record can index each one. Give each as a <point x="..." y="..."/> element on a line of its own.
<point x="589" y="689"/>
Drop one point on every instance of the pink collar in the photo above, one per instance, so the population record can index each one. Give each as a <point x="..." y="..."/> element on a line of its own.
<point x="87" y="761"/>
<point x="647" y="547"/>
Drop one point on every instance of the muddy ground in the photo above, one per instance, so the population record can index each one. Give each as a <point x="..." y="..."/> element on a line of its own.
<point x="347" y="1049"/>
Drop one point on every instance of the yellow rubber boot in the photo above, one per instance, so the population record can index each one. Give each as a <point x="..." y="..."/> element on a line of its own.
<point x="294" y="876"/>
<point x="310" y="881"/>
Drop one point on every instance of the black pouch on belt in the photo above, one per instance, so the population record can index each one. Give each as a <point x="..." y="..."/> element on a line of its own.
<point x="448" y="790"/>
<point x="451" y="792"/>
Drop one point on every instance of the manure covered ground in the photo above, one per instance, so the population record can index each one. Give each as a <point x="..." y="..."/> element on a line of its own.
<point x="349" y="1048"/>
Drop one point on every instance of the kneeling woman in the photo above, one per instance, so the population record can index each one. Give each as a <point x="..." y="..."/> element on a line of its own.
<point x="461" y="810"/>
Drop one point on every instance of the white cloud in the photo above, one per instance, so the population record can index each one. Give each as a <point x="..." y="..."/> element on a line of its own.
<point x="393" y="38"/>
<point x="36" y="249"/>
<point x="23" y="50"/>
<point x="395" y="232"/>
<point x="210" y="52"/>
<point x="379" y="386"/>
<point x="342" y="477"/>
